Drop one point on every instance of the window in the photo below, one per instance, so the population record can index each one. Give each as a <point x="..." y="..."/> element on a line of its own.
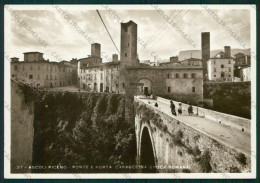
<point x="229" y="61"/>
<point x="125" y="54"/>
<point x="50" y="77"/>
<point x="101" y="76"/>
<point x="229" y="75"/>
<point x="30" y="76"/>
<point x="38" y="67"/>
<point x="168" y="75"/>
<point x="214" y="76"/>
<point x="193" y="89"/>
<point x="214" y="62"/>
<point x="23" y="67"/>
<point x="38" y="76"/>
<point x="15" y="67"/>
<point x="31" y="68"/>
<point x="176" y="75"/>
<point x="169" y="89"/>
<point x="215" y="70"/>
<point x="229" y="69"/>
<point x="193" y="75"/>
<point x="123" y="85"/>
<point x="222" y="66"/>
<point x="55" y="78"/>
<point x="185" y="75"/>
<point x="47" y="77"/>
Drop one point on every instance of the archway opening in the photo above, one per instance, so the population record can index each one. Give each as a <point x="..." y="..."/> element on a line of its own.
<point x="147" y="154"/>
<point x="144" y="87"/>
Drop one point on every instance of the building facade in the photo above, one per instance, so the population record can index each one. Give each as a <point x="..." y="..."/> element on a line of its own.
<point x="129" y="76"/>
<point x="221" y="67"/>
<point x="42" y="73"/>
<point x="242" y="66"/>
<point x="192" y="61"/>
<point x="245" y="73"/>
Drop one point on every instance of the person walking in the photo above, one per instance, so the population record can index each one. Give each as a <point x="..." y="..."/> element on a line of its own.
<point x="156" y="104"/>
<point x="173" y="108"/>
<point x="180" y="109"/>
<point x="190" y="110"/>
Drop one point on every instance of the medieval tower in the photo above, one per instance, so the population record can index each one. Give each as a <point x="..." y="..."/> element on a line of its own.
<point x="128" y="52"/>
<point x="205" y="50"/>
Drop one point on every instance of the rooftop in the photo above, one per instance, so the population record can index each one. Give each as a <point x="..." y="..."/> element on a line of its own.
<point x="32" y="52"/>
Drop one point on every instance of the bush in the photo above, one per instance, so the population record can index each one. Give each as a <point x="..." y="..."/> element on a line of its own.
<point x="241" y="158"/>
<point x="204" y="162"/>
<point x="178" y="137"/>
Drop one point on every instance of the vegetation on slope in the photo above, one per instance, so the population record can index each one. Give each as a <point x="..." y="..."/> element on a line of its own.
<point x="84" y="133"/>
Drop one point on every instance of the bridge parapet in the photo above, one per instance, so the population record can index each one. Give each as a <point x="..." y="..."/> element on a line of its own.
<point x="227" y="119"/>
<point x="178" y="147"/>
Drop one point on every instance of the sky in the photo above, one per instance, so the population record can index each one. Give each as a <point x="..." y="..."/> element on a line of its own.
<point x="156" y="37"/>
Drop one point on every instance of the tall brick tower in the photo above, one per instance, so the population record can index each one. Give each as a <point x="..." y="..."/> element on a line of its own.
<point x="128" y="51"/>
<point x="95" y="50"/>
<point x="205" y="50"/>
<point x="227" y="51"/>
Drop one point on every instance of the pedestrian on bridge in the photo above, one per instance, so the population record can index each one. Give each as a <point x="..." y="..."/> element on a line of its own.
<point x="173" y="108"/>
<point x="180" y="109"/>
<point x="190" y="110"/>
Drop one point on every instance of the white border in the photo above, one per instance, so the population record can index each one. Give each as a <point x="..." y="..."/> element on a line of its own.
<point x="7" y="99"/>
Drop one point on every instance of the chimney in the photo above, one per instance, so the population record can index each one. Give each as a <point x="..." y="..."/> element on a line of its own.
<point x="174" y="59"/>
<point x="14" y="59"/>
<point x="227" y="51"/>
<point x="114" y="57"/>
<point x="95" y="50"/>
<point x="205" y="50"/>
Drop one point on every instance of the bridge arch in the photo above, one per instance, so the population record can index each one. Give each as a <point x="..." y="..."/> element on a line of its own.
<point x="146" y="150"/>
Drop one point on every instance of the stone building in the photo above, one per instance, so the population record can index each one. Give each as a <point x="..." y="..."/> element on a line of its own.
<point x="42" y="73"/>
<point x="221" y="67"/>
<point x="242" y="61"/>
<point x="129" y="76"/>
<point x="192" y="61"/>
<point x="245" y="73"/>
<point x="173" y="59"/>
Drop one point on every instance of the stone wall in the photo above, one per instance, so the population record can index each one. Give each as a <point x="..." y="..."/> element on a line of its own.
<point x="22" y="131"/>
<point x="163" y="78"/>
<point x="176" y="144"/>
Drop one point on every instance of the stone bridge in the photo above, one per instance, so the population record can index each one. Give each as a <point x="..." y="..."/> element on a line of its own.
<point x="207" y="141"/>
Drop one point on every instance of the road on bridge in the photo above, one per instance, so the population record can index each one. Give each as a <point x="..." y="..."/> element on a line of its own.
<point x="227" y="135"/>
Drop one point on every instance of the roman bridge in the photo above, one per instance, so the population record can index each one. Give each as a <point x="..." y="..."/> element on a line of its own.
<point x="207" y="141"/>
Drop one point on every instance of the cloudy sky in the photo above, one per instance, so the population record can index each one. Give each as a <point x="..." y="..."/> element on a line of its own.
<point x="158" y="36"/>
